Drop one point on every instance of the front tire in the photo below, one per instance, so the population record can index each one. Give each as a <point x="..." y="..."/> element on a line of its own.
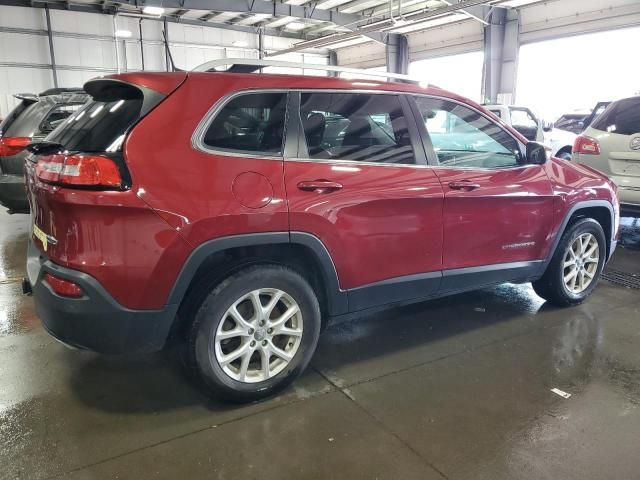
<point x="254" y="333"/>
<point x="576" y="265"/>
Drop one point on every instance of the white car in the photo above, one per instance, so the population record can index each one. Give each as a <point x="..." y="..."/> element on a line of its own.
<point x="524" y="121"/>
<point x="611" y="144"/>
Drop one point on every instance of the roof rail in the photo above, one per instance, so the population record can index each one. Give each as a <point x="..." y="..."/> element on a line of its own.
<point x="250" y="65"/>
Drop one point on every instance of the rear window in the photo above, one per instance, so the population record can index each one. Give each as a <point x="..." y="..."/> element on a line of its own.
<point x="99" y="126"/>
<point x="622" y="117"/>
<point x="102" y="123"/>
<point x="23" y="120"/>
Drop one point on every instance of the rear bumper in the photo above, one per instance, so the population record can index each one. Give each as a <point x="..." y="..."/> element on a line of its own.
<point x="96" y="321"/>
<point x="12" y="193"/>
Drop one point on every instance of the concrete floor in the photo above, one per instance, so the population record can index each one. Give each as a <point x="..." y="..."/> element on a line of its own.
<point x="457" y="388"/>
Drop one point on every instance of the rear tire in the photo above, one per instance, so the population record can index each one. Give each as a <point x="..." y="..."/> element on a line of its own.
<point x="576" y="265"/>
<point x="254" y="333"/>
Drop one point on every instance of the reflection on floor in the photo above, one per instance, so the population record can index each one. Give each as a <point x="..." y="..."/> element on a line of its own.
<point x="457" y="388"/>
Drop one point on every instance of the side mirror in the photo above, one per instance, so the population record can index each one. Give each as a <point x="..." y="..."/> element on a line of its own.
<point x="547" y="126"/>
<point x="536" y="153"/>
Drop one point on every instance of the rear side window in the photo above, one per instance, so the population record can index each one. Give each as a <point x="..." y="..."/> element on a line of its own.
<point x="356" y="126"/>
<point x="621" y="117"/>
<point x="251" y="123"/>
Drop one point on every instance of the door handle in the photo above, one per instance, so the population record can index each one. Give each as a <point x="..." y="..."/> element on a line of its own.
<point x="463" y="185"/>
<point x="319" y="186"/>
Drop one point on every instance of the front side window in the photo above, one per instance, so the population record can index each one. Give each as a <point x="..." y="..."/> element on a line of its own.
<point x="251" y="123"/>
<point x="462" y="137"/>
<point x="356" y="126"/>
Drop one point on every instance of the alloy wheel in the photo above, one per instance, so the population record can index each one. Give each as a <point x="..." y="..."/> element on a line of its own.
<point x="581" y="263"/>
<point x="259" y="335"/>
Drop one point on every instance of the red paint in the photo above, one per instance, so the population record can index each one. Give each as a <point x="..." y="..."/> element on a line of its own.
<point x="377" y="222"/>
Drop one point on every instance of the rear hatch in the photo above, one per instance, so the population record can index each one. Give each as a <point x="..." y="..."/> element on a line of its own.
<point x="77" y="175"/>
<point x="618" y="131"/>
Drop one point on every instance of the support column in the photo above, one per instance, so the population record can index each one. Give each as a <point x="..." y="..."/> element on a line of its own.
<point x="333" y="60"/>
<point x="141" y="44"/>
<point x="397" y="53"/>
<point x="51" y="49"/>
<point x="167" y="58"/>
<point x="501" y="47"/>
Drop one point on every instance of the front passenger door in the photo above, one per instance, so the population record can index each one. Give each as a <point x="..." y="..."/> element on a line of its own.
<point x="497" y="210"/>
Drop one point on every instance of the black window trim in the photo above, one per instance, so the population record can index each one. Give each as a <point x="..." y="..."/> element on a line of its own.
<point x="428" y="145"/>
<point x="197" y="139"/>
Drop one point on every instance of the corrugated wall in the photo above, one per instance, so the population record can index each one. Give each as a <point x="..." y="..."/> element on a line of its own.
<point x="84" y="48"/>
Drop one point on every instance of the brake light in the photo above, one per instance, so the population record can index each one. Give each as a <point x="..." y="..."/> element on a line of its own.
<point x="62" y="287"/>
<point x="79" y="170"/>
<point x="10" y="146"/>
<point x="586" y="146"/>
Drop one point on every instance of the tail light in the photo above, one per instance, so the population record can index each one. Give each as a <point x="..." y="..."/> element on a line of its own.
<point x="62" y="287"/>
<point x="586" y="146"/>
<point x="79" y="170"/>
<point x="10" y="146"/>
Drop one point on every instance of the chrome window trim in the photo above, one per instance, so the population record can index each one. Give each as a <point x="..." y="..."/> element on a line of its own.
<point x="198" y="136"/>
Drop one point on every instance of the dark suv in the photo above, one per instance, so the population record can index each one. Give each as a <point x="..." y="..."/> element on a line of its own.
<point x="30" y="121"/>
<point x="238" y="213"/>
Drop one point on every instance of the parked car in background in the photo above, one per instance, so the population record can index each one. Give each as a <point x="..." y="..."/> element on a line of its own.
<point x="577" y="122"/>
<point x="30" y="121"/>
<point x="528" y="125"/>
<point x="612" y="145"/>
<point x="238" y="213"/>
<point x="572" y="122"/>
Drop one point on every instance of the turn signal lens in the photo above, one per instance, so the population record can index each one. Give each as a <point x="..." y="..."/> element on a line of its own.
<point x="10" y="146"/>
<point x="62" y="287"/>
<point x="79" y="170"/>
<point x="586" y="146"/>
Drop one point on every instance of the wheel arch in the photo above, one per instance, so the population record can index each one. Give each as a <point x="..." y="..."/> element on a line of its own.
<point x="216" y="259"/>
<point x="600" y="210"/>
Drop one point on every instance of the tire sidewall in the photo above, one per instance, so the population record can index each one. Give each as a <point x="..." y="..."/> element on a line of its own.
<point x="214" y="306"/>
<point x="580" y="228"/>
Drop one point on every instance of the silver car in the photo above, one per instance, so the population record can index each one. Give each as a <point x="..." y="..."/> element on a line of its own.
<point x="612" y="145"/>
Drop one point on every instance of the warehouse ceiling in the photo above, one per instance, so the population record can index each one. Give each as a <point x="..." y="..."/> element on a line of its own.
<point x="322" y="23"/>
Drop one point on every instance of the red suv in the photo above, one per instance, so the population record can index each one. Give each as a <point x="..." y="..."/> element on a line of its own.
<point x="240" y="212"/>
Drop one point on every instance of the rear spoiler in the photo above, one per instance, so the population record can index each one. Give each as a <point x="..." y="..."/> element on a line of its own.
<point x="27" y="97"/>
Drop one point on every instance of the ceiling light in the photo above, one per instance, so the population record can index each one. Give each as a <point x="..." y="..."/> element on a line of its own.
<point x="123" y="33"/>
<point x="151" y="10"/>
<point x="295" y="26"/>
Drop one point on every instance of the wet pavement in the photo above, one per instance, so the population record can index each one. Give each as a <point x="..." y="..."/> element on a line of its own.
<point x="457" y="388"/>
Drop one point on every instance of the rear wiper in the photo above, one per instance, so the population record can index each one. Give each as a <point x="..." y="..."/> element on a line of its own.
<point x="44" y="146"/>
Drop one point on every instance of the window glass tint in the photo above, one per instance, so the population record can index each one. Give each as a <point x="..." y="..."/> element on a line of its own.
<point x="250" y="123"/>
<point x="462" y="137"/>
<point x="57" y="115"/>
<point x="98" y="126"/>
<point x="621" y="117"/>
<point x="497" y="113"/>
<point x="354" y="126"/>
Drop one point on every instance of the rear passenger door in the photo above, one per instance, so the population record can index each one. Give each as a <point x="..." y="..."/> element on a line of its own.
<point x="359" y="182"/>
<point x="497" y="210"/>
